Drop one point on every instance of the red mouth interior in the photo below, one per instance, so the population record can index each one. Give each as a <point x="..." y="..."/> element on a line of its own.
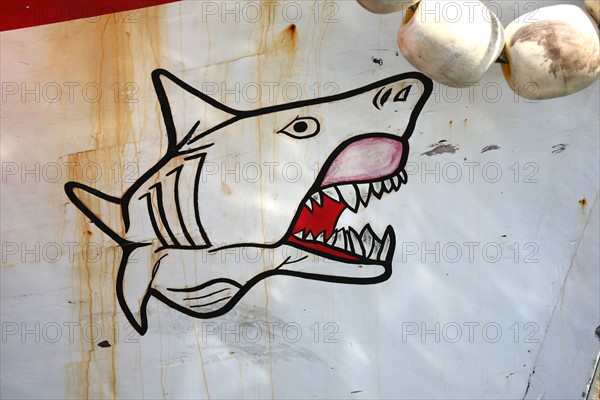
<point x="361" y="160"/>
<point x="322" y="218"/>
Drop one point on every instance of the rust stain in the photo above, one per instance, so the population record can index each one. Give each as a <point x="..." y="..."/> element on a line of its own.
<point x="583" y="203"/>
<point x="292" y="29"/>
<point x="410" y="12"/>
<point x="225" y="189"/>
<point x="284" y="43"/>
<point x="110" y="50"/>
<point x="278" y="54"/>
<point x="78" y="378"/>
<point x="450" y="123"/>
<point x="203" y="368"/>
<point x="506" y="71"/>
<point x="562" y="46"/>
<point x="402" y="39"/>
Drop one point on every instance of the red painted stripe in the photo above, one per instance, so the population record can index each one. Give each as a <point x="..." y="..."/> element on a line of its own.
<point x="18" y="14"/>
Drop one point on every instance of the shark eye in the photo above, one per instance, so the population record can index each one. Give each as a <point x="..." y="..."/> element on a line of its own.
<point x="302" y="128"/>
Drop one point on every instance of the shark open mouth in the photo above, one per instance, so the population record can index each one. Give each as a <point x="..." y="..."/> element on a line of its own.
<point x="357" y="172"/>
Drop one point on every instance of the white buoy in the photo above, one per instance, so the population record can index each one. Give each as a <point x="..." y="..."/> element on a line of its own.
<point x="386" y="6"/>
<point x="452" y="42"/>
<point x="593" y="6"/>
<point x="551" y="52"/>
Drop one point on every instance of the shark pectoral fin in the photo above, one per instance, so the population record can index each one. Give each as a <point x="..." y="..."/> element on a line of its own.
<point x="210" y="299"/>
<point x="93" y="203"/>
<point x="188" y="113"/>
<point x="136" y="272"/>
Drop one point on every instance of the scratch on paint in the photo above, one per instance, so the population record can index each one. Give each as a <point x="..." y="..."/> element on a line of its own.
<point x="559" y="298"/>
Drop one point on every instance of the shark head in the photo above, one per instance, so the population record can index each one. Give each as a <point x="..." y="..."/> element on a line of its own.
<point x="272" y="182"/>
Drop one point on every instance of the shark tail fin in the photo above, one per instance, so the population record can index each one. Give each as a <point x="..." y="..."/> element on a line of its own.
<point x="93" y="203"/>
<point x="139" y="261"/>
<point x="139" y="265"/>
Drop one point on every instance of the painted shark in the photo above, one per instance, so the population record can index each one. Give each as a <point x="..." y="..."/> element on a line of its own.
<point x="198" y="240"/>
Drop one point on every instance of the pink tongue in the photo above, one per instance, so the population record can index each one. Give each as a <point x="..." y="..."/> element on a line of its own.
<point x="365" y="159"/>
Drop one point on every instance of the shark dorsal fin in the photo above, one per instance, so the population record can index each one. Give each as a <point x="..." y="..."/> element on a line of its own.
<point x="187" y="112"/>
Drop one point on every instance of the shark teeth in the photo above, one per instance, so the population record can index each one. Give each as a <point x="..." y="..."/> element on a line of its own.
<point x="365" y="245"/>
<point x="349" y="194"/>
<point x="353" y="195"/>
<point x="316" y="197"/>
<point x="320" y="237"/>
<point x="355" y="242"/>
<point x="365" y="192"/>
<point x="403" y="176"/>
<point x="332" y="193"/>
<point x="376" y="188"/>
<point x="388" y="185"/>
<point x="308" y="204"/>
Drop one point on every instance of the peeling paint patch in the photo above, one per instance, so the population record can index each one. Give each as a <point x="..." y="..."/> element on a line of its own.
<point x="378" y="61"/>
<point x="490" y="148"/>
<point x="104" y="344"/>
<point x="439" y="148"/>
<point x="559" y="148"/>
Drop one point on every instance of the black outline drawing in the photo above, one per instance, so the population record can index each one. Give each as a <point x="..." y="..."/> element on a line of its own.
<point x="182" y="148"/>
